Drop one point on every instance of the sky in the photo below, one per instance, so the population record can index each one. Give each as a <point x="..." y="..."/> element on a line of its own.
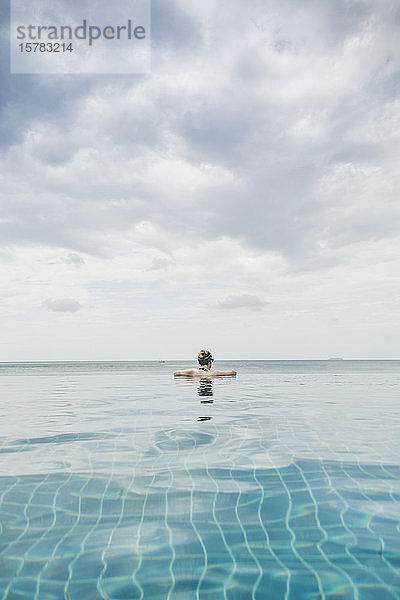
<point x="242" y="197"/>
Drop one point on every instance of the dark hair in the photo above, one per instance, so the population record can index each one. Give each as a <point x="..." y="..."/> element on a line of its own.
<point x="204" y="357"/>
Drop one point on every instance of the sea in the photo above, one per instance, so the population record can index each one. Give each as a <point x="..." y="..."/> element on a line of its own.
<point x="118" y="481"/>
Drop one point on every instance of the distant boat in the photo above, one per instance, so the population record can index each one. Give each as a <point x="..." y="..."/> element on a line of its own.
<point x="335" y="358"/>
<point x="161" y="361"/>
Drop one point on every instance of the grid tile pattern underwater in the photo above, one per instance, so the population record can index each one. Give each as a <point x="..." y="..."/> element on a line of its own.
<point x="117" y="481"/>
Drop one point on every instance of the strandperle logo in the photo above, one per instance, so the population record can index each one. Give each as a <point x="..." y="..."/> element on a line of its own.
<point x="80" y="36"/>
<point x="91" y="33"/>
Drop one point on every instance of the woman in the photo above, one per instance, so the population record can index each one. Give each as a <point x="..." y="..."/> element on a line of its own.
<point x="205" y="360"/>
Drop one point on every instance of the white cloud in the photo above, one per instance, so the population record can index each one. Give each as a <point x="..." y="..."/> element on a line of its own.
<point x="5" y="256"/>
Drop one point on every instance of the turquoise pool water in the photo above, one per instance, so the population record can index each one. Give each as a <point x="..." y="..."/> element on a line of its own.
<point x="119" y="482"/>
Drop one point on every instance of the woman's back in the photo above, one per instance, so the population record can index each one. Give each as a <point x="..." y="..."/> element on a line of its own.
<point x="204" y="371"/>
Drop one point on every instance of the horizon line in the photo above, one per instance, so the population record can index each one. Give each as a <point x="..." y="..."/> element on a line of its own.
<point x="166" y="360"/>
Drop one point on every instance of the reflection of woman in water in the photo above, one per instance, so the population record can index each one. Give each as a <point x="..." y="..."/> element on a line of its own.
<point x="205" y="391"/>
<point x="204" y="371"/>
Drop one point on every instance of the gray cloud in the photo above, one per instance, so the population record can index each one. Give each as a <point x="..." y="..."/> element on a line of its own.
<point x="279" y="115"/>
<point x="73" y="259"/>
<point x="160" y="264"/>
<point x="241" y="301"/>
<point x="62" y="305"/>
<point x="173" y="26"/>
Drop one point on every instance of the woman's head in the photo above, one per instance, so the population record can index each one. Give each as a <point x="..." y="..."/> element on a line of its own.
<point x="204" y="357"/>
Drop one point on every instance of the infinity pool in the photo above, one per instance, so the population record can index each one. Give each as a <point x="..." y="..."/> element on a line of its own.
<point x="119" y="482"/>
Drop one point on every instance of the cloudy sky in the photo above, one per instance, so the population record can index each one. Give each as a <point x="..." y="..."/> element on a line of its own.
<point x="244" y="196"/>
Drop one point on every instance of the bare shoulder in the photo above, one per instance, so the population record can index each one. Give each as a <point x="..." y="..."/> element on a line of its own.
<point x="186" y="373"/>
<point x="224" y="373"/>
